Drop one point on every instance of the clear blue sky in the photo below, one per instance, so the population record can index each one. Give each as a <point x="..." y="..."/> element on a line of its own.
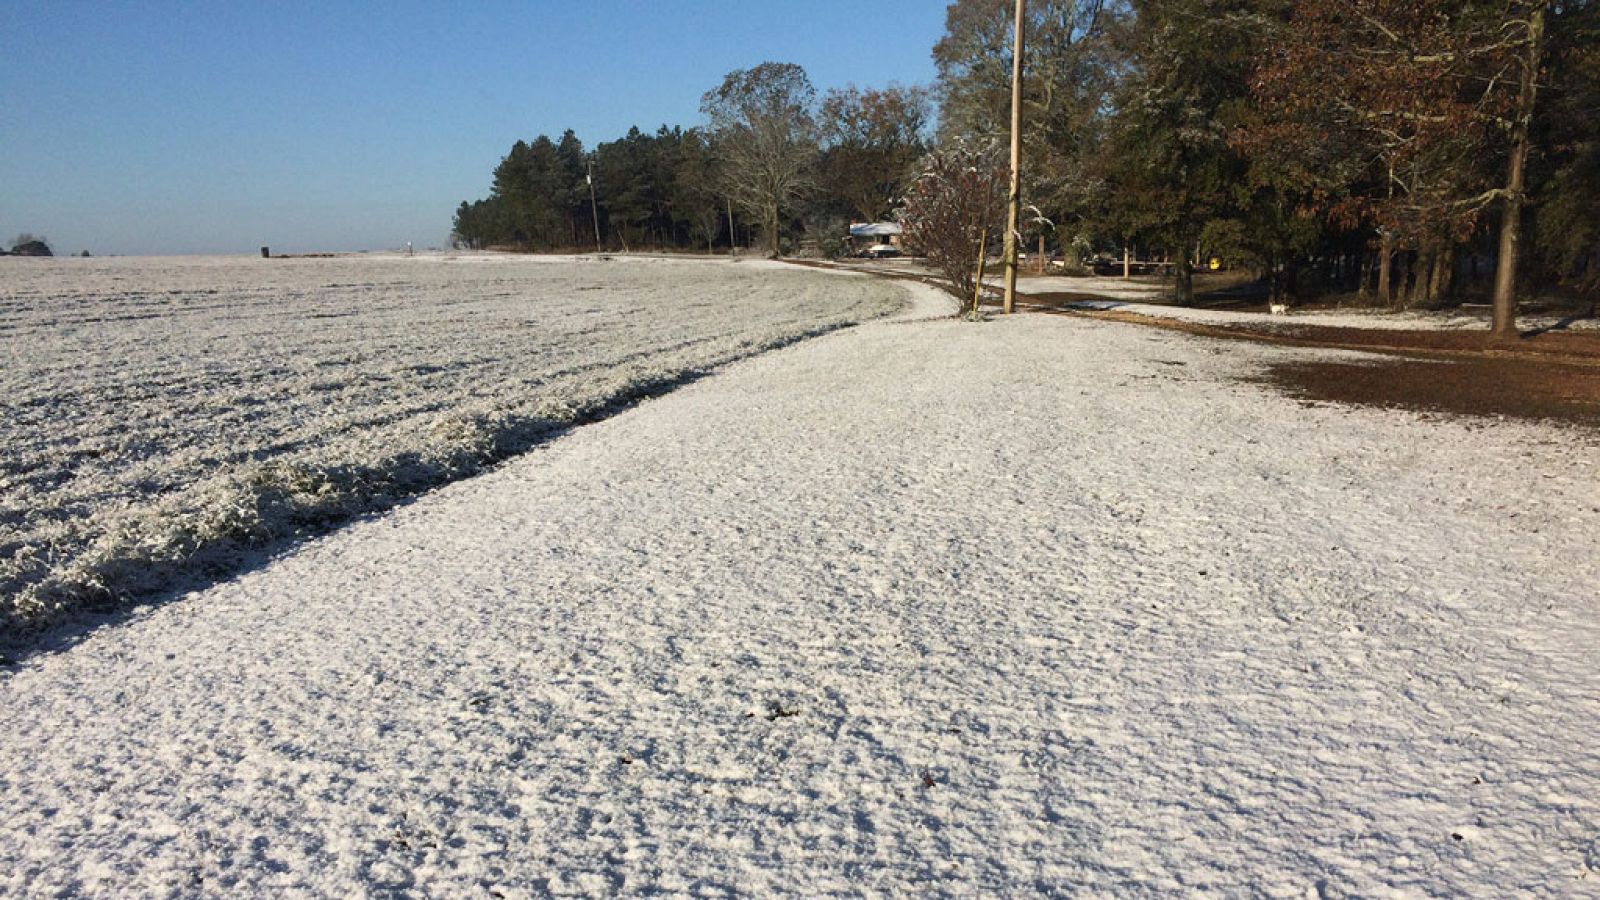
<point x="216" y="126"/>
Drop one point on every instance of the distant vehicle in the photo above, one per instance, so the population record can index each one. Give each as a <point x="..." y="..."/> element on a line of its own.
<point x="881" y="251"/>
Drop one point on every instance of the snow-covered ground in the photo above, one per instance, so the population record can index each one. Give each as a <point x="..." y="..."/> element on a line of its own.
<point x="158" y="417"/>
<point x="1143" y="297"/>
<point x="1042" y="605"/>
<point x="1383" y="320"/>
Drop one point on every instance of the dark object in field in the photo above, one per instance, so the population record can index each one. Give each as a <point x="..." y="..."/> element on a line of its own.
<point x="32" y="248"/>
<point x="775" y="711"/>
<point x="266" y="252"/>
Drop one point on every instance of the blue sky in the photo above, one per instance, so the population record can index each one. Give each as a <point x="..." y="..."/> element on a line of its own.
<point x="216" y="127"/>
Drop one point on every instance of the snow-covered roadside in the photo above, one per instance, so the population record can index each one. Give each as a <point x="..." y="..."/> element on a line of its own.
<point x="1373" y="319"/>
<point x="1138" y="296"/>
<point x="1037" y="605"/>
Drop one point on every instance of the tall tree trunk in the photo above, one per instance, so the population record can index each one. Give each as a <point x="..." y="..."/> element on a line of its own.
<point x="1185" y="281"/>
<point x="1127" y="262"/>
<point x="1505" y="274"/>
<point x="1386" y="268"/>
<point x="1422" y="293"/>
<point x="772" y="230"/>
<point x="1443" y="267"/>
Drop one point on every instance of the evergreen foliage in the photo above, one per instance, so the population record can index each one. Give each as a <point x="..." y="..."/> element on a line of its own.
<point x="770" y="164"/>
<point x="1407" y="149"/>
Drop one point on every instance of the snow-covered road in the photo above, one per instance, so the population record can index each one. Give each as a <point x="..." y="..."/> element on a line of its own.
<point x="920" y="607"/>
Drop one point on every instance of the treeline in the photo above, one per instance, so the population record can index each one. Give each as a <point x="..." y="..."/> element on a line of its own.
<point x="773" y="165"/>
<point x="541" y="198"/>
<point x="26" y="244"/>
<point x="1411" y="149"/>
<point x="1419" y="151"/>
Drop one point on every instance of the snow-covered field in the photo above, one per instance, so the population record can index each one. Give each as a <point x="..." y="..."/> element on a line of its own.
<point x="1038" y="606"/>
<point x="159" y="417"/>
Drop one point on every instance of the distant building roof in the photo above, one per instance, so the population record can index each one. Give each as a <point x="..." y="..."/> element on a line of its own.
<point x="875" y="229"/>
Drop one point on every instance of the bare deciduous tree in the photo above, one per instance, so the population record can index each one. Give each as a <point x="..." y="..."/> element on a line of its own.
<point x="1418" y="98"/>
<point x="954" y="208"/>
<point x="874" y="139"/>
<point x="764" y="123"/>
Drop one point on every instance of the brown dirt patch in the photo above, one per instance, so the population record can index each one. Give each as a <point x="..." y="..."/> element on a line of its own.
<point x="1490" y="386"/>
<point x="1549" y="376"/>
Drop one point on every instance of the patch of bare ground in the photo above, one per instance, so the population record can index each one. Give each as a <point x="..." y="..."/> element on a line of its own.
<point x="1549" y="375"/>
<point x="1517" y="387"/>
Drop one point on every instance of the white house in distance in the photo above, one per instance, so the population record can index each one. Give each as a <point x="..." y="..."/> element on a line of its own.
<point x="866" y="235"/>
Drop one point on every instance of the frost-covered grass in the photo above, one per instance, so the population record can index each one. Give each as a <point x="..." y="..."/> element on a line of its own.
<point x="161" y="417"/>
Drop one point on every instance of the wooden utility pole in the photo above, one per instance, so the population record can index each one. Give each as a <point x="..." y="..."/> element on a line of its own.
<point x="594" y="209"/>
<point x="1014" y="204"/>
